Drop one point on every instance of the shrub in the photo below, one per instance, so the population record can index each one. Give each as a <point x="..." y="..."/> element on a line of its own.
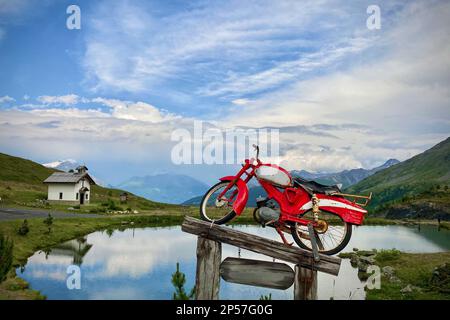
<point x="266" y="297"/>
<point x="23" y="229"/>
<point x="42" y="196"/>
<point x="387" y="255"/>
<point x="76" y="207"/>
<point x="98" y="210"/>
<point x="111" y="205"/>
<point x="178" y="281"/>
<point x="6" y="256"/>
<point x="49" y="221"/>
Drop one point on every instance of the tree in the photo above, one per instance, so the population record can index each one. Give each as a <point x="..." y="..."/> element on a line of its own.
<point x="49" y="221"/>
<point x="6" y="256"/>
<point x="23" y="229"/>
<point x="178" y="281"/>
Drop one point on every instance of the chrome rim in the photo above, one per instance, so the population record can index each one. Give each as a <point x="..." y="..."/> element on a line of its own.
<point x="214" y="209"/>
<point x="332" y="238"/>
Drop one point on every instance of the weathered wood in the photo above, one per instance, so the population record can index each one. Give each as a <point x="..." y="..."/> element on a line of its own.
<point x="314" y="239"/>
<point x="305" y="284"/>
<point x="207" y="279"/>
<point x="259" y="273"/>
<point x="261" y="245"/>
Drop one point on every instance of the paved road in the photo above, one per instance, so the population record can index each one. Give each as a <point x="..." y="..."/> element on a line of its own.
<point x="13" y="214"/>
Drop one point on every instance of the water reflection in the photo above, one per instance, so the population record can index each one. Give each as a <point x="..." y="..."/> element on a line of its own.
<point x="76" y="249"/>
<point x="138" y="263"/>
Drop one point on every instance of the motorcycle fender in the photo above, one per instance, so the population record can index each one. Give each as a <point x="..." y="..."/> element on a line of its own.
<point x="348" y="211"/>
<point x="242" y="196"/>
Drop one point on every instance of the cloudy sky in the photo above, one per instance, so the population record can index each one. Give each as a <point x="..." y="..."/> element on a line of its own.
<point x="111" y="93"/>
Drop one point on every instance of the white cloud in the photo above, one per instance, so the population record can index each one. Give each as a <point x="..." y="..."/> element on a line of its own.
<point x="287" y="71"/>
<point x="402" y="96"/>
<point x="69" y="99"/>
<point x="240" y="102"/>
<point x="126" y="132"/>
<point x="218" y="45"/>
<point x="6" y="99"/>
<point x="392" y="85"/>
<point x="140" y="111"/>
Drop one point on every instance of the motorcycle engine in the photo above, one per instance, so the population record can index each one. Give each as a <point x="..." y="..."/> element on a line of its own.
<point x="267" y="214"/>
<point x="266" y="211"/>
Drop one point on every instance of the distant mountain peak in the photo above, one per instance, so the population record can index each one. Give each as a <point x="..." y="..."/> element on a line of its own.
<point x="61" y="164"/>
<point x="390" y="163"/>
<point x="70" y="164"/>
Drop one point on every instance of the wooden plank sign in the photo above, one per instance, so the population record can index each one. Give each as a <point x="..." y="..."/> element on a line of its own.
<point x="258" y="273"/>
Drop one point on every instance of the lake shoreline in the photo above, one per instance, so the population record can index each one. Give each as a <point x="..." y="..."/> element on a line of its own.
<point x="69" y="228"/>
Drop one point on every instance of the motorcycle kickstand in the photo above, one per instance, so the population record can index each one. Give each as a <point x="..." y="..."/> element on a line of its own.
<point x="280" y="232"/>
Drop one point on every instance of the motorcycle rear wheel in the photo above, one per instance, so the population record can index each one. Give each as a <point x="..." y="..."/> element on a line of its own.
<point x="332" y="243"/>
<point x="215" y="211"/>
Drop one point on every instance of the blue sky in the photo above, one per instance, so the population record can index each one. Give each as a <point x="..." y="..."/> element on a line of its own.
<point x="111" y="93"/>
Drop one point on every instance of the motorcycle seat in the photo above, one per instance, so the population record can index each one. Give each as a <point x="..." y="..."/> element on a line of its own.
<point x="315" y="187"/>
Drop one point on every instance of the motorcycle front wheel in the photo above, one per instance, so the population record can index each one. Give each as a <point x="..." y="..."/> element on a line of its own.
<point x="332" y="234"/>
<point x="218" y="211"/>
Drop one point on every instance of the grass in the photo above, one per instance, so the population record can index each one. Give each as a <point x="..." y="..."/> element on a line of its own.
<point x="415" y="269"/>
<point x="24" y="195"/>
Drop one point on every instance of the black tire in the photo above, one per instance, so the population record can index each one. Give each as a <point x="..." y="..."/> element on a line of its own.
<point x="204" y="216"/>
<point x="335" y="250"/>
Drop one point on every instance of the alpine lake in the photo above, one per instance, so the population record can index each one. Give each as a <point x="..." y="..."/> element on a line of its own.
<point x="138" y="263"/>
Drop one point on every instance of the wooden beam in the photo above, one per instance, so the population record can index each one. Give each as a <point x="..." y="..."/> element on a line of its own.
<point x="305" y="284"/>
<point x="207" y="280"/>
<point x="258" y="273"/>
<point x="261" y="245"/>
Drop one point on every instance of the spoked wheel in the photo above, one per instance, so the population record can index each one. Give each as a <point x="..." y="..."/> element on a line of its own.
<point x="332" y="233"/>
<point x="218" y="211"/>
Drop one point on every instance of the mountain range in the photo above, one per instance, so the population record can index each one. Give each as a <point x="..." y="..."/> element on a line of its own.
<point x="420" y="182"/>
<point x="177" y="188"/>
<point x="346" y="177"/>
<point x="168" y="188"/>
<point x="415" y="187"/>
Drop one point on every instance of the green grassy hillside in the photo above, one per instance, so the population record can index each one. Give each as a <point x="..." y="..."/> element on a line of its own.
<point x="22" y="170"/>
<point x="423" y="178"/>
<point x="21" y="185"/>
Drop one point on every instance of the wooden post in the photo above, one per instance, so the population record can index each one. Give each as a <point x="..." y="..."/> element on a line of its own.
<point x="305" y="284"/>
<point x="207" y="279"/>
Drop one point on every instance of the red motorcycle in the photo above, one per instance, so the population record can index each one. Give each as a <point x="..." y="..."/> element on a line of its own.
<point x="292" y="205"/>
